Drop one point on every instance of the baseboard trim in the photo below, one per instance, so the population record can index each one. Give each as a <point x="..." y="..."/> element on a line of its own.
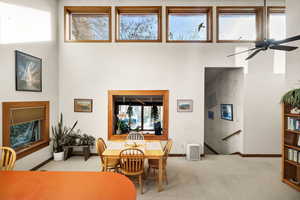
<point x="257" y="155"/>
<point x="177" y="155"/>
<point x="41" y="164"/>
<point x="261" y="155"/>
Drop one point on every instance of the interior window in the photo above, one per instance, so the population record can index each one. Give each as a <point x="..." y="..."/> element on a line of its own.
<point x="188" y="23"/>
<point x="90" y="27"/>
<point x="239" y="24"/>
<point x="138" y="23"/>
<point x="87" y="24"/>
<point x="237" y="27"/>
<point x="277" y="25"/>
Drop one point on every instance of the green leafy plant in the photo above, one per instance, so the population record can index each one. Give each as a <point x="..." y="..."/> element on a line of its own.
<point x="292" y="98"/>
<point x="59" y="135"/>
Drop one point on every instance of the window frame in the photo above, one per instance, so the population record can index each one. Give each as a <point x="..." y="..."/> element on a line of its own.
<point x="69" y="10"/>
<point x="142" y="114"/>
<point x="271" y="10"/>
<point x="6" y="121"/>
<point x="258" y="10"/>
<point x="138" y="10"/>
<point x="111" y="120"/>
<point x="191" y="10"/>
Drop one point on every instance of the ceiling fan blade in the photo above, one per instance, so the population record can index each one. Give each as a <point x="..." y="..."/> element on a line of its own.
<point x="291" y="39"/>
<point x="253" y="54"/>
<point x="283" y="48"/>
<point x="242" y="52"/>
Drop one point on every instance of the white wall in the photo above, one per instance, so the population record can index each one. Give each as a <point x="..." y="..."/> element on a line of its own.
<point x="293" y="29"/>
<point x="228" y="86"/>
<point x="47" y="50"/>
<point x="89" y="70"/>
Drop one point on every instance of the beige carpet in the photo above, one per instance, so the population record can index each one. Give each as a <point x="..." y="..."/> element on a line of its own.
<point x="216" y="177"/>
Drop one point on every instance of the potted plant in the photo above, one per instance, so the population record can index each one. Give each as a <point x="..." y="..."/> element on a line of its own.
<point x="292" y="98"/>
<point x="59" y="138"/>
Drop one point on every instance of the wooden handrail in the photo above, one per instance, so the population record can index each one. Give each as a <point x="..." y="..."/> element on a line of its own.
<point x="229" y="136"/>
<point x="210" y="148"/>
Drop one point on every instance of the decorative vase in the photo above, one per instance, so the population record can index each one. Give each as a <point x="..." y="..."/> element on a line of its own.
<point x="77" y="141"/>
<point x="58" y="156"/>
<point x="119" y="132"/>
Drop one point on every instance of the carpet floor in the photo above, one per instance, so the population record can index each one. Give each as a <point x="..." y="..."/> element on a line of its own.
<point x="215" y="177"/>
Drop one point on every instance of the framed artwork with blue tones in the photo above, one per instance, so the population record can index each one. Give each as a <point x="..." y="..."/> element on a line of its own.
<point x="227" y="112"/>
<point x="28" y="72"/>
<point x="210" y="114"/>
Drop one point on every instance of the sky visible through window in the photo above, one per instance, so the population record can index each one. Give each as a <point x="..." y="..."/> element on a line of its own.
<point x="186" y="27"/>
<point x="277" y="26"/>
<point x="90" y="27"/>
<point x="138" y="27"/>
<point x="237" y="27"/>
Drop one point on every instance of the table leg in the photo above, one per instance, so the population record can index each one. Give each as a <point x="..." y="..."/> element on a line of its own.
<point x="85" y="152"/>
<point x="160" y="175"/>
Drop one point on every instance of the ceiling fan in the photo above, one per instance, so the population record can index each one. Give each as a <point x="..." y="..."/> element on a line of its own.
<point x="266" y="44"/>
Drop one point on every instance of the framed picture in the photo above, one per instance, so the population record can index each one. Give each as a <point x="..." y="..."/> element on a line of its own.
<point x="83" y="105"/>
<point x="28" y="72"/>
<point x="210" y="115"/>
<point x="227" y="112"/>
<point x="184" y="105"/>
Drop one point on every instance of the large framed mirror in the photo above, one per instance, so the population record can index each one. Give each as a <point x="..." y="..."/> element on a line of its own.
<point x="145" y="111"/>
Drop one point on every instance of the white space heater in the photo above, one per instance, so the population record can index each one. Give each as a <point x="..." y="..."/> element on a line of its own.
<point x="193" y="152"/>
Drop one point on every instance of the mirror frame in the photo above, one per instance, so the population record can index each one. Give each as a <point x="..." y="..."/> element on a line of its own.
<point x="164" y="93"/>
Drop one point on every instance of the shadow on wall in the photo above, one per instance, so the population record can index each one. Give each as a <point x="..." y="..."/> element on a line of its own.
<point x="19" y="24"/>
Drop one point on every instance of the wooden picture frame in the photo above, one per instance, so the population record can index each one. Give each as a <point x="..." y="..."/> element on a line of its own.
<point x="83" y="105"/>
<point x="226" y="111"/>
<point x="185" y="105"/>
<point x="28" y="72"/>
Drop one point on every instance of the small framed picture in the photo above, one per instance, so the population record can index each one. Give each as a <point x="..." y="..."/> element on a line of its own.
<point x="28" y="72"/>
<point x="83" y="105"/>
<point x="227" y="112"/>
<point x="210" y="115"/>
<point x="184" y="105"/>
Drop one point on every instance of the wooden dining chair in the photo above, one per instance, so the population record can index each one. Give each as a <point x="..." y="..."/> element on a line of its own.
<point x="132" y="164"/>
<point x="154" y="163"/>
<point x="135" y="136"/>
<point x="112" y="164"/>
<point x="7" y="158"/>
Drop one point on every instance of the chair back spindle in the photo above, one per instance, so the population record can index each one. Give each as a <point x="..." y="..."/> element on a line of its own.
<point x="132" y="161"/>
<point x="7" y="158"/>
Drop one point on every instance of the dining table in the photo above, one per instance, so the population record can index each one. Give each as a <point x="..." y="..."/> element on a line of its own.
<point x="49" y="185"/>
<point x="151" y="149"/>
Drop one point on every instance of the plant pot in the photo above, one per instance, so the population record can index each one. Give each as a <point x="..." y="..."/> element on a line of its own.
<point x="58" y="156"/>
<point x="119" y="132"/>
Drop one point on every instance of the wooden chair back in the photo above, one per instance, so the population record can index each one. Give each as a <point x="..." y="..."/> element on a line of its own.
<point x="135" y="136"/>
<point x="101" y="146"/>
<point x="132" y="161"/>
<point x="167" y="148"/>
<point x="7" y="158"/>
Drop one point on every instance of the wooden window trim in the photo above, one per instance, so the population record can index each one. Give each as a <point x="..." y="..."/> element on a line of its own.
<point x="258" y="10"/>
<point x="24" y="151"/>
<point x="85" y="10"/>
<point x="191" y="10"/>
<point x="271" y="10"/>
<point x="138" y="10"/>
<point x="164" y="93"/>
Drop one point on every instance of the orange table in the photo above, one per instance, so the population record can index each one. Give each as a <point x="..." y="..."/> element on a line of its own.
<point x="35" y="185"/>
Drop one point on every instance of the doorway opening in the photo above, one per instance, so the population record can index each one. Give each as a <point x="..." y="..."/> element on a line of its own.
<point x="223" y="119"/>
